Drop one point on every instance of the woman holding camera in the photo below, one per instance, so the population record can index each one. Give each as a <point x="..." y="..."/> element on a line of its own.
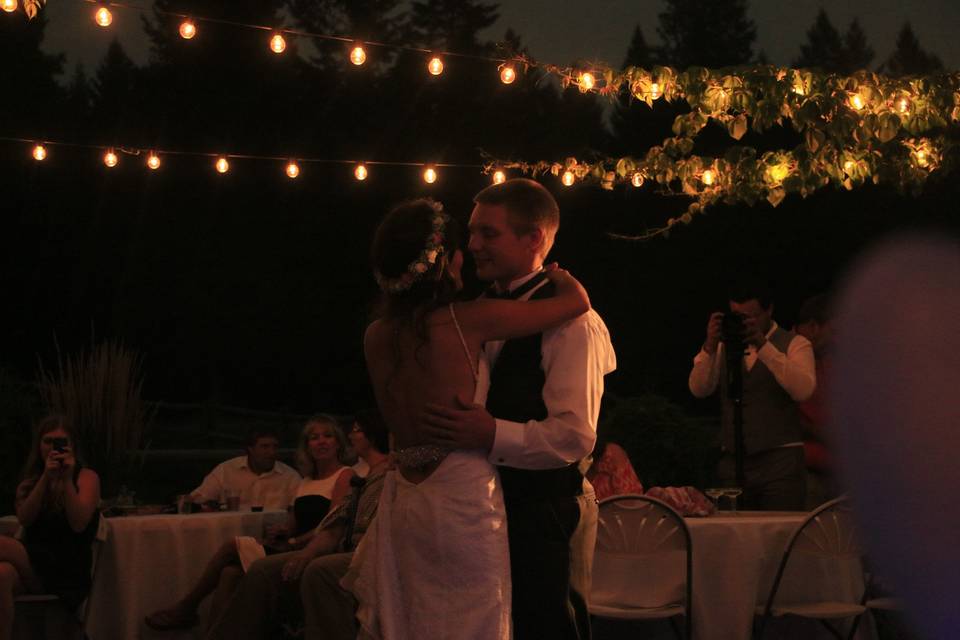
<point x="56" y="505"/>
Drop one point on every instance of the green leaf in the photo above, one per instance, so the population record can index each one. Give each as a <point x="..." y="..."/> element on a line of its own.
<point x="776" y="196"/>
<point x="738" y="127"/>
<point x="888" y="128"/>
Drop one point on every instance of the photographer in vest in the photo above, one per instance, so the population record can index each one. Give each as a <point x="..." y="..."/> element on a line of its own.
<point x="777" y="372"/>
<point x="537" y="417"/>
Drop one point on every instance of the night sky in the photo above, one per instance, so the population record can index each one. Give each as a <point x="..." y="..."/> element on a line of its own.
<point x="598" y="30"/>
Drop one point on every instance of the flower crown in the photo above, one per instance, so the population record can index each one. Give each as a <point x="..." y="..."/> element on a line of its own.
<point x="432" y="250"/>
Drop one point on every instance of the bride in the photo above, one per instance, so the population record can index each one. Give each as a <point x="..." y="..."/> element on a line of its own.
<point x="436" y="563"/>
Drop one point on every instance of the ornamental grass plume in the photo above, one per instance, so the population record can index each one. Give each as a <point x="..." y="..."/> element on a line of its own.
<point x="101" y="393"/>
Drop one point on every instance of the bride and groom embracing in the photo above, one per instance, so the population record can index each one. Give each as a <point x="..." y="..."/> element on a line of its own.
<point x="486" y="528"/>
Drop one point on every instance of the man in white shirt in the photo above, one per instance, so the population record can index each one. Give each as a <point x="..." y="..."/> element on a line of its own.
<point x="257" y="477"/>
<point x="777" y="371"/>
<point x="539" y="419"/>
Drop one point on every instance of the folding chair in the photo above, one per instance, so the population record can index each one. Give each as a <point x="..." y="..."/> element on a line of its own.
<point x="642" y="565"/>
<point x="44" y="600"/>
<point x="827" y="534"/>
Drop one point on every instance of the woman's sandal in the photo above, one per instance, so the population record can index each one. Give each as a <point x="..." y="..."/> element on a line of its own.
<point x="171" y="619"/>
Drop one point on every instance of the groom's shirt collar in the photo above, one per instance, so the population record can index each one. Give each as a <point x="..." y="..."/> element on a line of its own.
<point x="519" y="281"/>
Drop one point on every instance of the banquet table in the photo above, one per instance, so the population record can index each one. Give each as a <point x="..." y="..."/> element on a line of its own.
<point x="148" y="562"/>
<point x="735" y="560"/>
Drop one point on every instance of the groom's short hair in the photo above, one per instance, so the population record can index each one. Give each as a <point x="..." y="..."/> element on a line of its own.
<point x="528" y="203"/>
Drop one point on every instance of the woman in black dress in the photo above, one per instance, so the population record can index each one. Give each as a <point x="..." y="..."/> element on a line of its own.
<point x="56" y="505"/>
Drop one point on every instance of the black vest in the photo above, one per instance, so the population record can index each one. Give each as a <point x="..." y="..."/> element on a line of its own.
<point x="516" y="394"/>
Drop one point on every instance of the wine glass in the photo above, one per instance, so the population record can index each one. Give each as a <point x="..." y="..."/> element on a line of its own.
<point x="714" y="495"/>
<point x="732" y="493"/>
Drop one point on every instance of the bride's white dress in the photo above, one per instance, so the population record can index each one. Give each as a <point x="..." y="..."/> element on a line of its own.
<point x="435" y="562"/>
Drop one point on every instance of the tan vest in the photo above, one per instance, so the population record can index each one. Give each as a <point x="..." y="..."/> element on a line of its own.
<point x="770" y="415"/>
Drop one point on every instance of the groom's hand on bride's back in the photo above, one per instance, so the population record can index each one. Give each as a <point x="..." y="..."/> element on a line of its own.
<point x="464" y="426"/>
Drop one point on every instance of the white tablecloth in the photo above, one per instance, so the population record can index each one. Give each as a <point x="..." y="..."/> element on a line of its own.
<point x="148" y="562"/>
<point x="735" y="560"/>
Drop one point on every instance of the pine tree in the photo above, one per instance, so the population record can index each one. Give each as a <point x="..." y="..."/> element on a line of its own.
<point x="857" y="53"/>
<point x="31" y="93"/>
<point x="453" y="25"/>
<point x="709" y="33"/>
<point x="824" y="48"/>
<point x="909" y="58"/>
<point x="639" y="54"/>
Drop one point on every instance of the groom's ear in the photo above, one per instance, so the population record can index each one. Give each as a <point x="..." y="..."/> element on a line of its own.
<point x="535" y="239"/>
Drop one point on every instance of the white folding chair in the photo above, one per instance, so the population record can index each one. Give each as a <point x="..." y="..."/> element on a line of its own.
<point x="827" y="535"/>
<point x="32" y="600"/>
<point x="642" y="564"/>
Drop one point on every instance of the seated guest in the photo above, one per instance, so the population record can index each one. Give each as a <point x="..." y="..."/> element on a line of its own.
<point x="611" y="473"/>
<point x="257" y="476"/>
<point x="327" y="482"/>
<point x="253" y="611"/>
<point x="56" y="505"/>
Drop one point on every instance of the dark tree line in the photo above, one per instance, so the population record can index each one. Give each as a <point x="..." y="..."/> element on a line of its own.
<point x="253" y="289"/>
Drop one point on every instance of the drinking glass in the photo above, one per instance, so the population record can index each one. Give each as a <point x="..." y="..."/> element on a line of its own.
<point x="732" y="493"/>
<point x="714" y="495"/>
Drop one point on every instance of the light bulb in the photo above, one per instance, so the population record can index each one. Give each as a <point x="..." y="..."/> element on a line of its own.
<point x="103" y="17"/>
<point x="568" y="178"/>
<point x="222" y="165"/>
<point x="358" y="56"/>
<point x="655" y="90"/>
<point x="293" y="169"/>
<point x="903" y="105"/>
<point x="798" y="89"/>
<point x="435" y="66"/>
<point x="153" y="161"/>
<point x="637" y="179"/>
<point x="39" y="152"/>
<point x="709" y="177"/>
<point x="507" y="75"/>
<point x="277" y="43"/>
<point x="110" y="158"/>
<point x="921" y="157"/>
<point x="499" y="177"/>
<point x="586" y="81"/>
<point x="187" y="29"/>
<point x="849" y="166"/>
<point x="360" y="173"/>
<point x="856" y="101"/>
<point x="9" y="5"/>
<point x="430" y="175"/>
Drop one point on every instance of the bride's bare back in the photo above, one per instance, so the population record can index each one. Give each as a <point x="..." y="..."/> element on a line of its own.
<point x="407" y="373"/>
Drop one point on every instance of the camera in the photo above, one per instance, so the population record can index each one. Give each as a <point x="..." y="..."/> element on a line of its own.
<point x="732" y="330"/>
<point x="59" y="444"/>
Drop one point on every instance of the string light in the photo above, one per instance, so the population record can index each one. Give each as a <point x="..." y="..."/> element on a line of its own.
<point x="499" y="177"/>
<point x="507" y="75"/>
<point x="903" y="105"/>
<point x="778" y="172"/>
<point x="360" y="172"/>
<point x="187" y="29"/>
<point x="292" y="170"/>
<point x="222" y="165"/>
<point x="39" y="152"/>
<point x="568" y="178"/>
<point x="9" y="5"/>
<point x="153" y="161"/>
<point x="637" y="179"/>
<point x="103" y="17"/>
<point x="655" y="90"/>
<point x="358" y="56"/>
<point x="856" y="101"/>
<point x="435" y="66"/>
<point x="709" y="177"/>
<point x="798" y="89"/>
<point x="586" y="81"/>
<point x="849" y="166"/>
<point x="110" y="158"/>
<point x="430" y="175"/>
<point x="277" y="43"/>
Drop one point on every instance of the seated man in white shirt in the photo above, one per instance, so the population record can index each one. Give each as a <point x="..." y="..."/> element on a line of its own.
<point x="777" y="372"/>
<point x="257" y="477"/>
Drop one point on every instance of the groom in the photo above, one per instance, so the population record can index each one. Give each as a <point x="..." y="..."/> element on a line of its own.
<point x="540" y="417"/>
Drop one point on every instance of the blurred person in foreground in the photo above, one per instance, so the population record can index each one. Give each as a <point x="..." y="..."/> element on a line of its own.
<point x="777" y="369"/>
<point x="56" y="505"/>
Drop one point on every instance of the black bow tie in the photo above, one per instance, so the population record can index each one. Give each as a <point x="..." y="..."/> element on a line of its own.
<point x="519" y="291"/>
